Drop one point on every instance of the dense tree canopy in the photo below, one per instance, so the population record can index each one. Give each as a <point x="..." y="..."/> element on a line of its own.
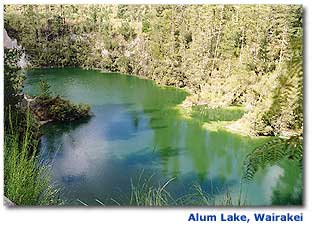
<point x="224" y="55"/>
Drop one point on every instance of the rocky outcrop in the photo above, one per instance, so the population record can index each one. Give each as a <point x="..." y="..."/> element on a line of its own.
<point x="12" y="44"/>
<point x="8" y="42"/>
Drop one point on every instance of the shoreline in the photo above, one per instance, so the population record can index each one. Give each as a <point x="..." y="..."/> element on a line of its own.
<point x="184" y="107"/>
<point x="216" y="125"/>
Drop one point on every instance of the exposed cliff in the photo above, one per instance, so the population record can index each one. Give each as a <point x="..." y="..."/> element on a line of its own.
<point x="12" y="44"/>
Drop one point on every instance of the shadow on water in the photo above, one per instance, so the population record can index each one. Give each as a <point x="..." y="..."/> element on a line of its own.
<point x="52" y="132"/>
<point x="59" y="128"/>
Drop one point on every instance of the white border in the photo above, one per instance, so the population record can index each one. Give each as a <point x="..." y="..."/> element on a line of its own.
<point x="166" y="217"/>
<point x="154" y="2"/>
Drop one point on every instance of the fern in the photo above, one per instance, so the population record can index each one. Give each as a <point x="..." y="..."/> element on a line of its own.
<point x="270" y="153"/>
<point x="286" y="111"/>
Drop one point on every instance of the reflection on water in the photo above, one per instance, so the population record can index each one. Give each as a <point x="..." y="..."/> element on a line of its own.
<point x="135" y="128"/>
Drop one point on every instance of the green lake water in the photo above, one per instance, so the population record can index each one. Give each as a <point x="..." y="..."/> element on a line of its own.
<point x="136" y="129"/>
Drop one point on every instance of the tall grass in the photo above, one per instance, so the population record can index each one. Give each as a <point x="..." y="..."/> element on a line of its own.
<point x="143" y="193"/>
<point x="26" y="182"/>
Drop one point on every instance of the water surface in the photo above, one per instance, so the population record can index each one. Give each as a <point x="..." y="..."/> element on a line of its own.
<point x="135" y="128"/>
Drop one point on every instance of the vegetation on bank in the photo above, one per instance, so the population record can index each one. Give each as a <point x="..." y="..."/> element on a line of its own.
<point x="27" y="181"/>
<point x="225" y="55"/>
<point x="58" y="109"/>
<point x="46" y="107"/>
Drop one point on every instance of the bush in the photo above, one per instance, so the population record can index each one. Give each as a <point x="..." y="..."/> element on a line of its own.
<point x="44" y="88"/>
<point x="58" y="109"/>
<point x="13" y="79"/>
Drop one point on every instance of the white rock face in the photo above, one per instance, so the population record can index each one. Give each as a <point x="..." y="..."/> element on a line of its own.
<point x="10" y="44"/>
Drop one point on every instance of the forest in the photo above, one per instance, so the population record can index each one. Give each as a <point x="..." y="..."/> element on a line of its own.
<point x="227" y="58"/>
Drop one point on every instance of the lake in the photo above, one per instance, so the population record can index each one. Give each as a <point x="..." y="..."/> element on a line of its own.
<point x="137" y="132"/>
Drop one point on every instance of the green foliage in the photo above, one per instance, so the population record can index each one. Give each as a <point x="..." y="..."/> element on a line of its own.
<point x="54" y="108"/>
<point x="286" y="111"/>
<point x="127" y="31"/>
<point x="44" y="89"/>
<point x="25" y="182"/>
<point x="21" y="121"/>
<point x="272" y="152"/>
<point x="146" y="26"/>
<point x="58" y="109"/>
<point x="122" y="11"/>
<point x="13" y="78"/>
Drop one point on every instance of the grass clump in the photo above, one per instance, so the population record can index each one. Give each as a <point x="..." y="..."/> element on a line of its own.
<point x="143" y="193"/>
<point x="26" y="182"/>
